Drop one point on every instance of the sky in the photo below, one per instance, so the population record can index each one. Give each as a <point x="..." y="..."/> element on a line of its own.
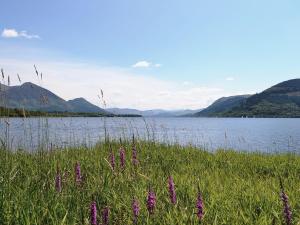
<point x="151" y="54"/>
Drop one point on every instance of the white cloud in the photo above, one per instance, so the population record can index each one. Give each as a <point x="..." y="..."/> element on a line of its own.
<point x="12" y="33"/>
<point x="121" y="87"/>
<point x="145" y="64"/>
<point x="230" y="78"/>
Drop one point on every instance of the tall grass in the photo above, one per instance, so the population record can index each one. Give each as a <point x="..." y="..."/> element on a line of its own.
<point x="236" y="188"/>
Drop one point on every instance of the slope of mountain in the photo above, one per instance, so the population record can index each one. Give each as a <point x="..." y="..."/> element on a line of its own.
<point x="152" y="113"/>
<point x="280" y="100"/>
<point x="222" y="104"/>
<point x="82" y="105"/>
<point x="33" y="97"/>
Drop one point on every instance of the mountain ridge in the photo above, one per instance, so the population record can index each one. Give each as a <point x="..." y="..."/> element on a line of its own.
<point x="31" y="96"/>
<point x="221" y="104"/>
<point x="153" y="112"/>
<point x="280" y="100"/>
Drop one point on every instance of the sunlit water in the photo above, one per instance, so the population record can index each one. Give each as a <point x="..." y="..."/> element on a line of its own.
<point x="266" y="135"/>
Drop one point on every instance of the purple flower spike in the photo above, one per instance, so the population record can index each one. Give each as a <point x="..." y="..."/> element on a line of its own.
<point x="112" y="160"/>
<point x="172" y="190"/>
<point x="94" y="214"/>
<point x="134" y="156"/>
<point x="151" y="201"/>
<point x="105" y="216"/>
<point x="286" y="208"/>
<point x="122" y="158"/>
<point x="135" y="210"/>
<point x="199" y="206"/>
<point x="78" y="177"/>
<point x="58" y="182"/>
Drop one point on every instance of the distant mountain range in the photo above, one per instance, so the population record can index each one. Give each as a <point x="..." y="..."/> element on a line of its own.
<point x="33" y="97"/>
<point x="280" y="100"/>
<point x="153" y="113"/>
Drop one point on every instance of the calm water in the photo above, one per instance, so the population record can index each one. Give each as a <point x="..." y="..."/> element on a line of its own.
<point x="267" y="135"/>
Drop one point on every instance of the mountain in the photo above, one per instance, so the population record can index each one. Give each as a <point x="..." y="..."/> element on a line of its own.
<point x="280" y="100"/>
<point x="222" y="104"/>
<point x="82" y="105"/>
<point x="152" y="113"/>
<point x="124" y="111"/>
<point x="33" y="97"/>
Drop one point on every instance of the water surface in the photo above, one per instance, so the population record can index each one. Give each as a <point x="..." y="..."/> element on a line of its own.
<point x="245" y="134"/>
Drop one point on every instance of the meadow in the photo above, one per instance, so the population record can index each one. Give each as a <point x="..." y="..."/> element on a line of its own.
<point x="94" y="186"/>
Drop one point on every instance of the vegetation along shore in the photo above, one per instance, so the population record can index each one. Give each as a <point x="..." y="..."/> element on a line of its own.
<point x="15" y="112"/>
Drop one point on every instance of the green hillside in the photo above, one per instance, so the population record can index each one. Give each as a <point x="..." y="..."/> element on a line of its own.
<point x="281" y="100"/>
<point x="222" y="104"/>
<point x="35" y="98"/>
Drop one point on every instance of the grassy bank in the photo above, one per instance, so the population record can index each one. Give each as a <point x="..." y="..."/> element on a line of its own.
<point x="237" y="188"/>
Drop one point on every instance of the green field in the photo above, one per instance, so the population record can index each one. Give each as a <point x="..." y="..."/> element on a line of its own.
<point x="237" y="188"/>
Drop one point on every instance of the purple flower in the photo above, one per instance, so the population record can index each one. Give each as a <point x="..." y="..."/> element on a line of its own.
<point x="151" y="201"/>
<point x="122" y="158"/>
<point x="199" y="206"/>
<point x="112" y="160"/>
<point x="58" y="182"/>
<point x="93" y="214"/>
<point x="286" y="208"/>
<point x="78" y="177"/>
<point x="135" y="210"/>
<point x="134" y="156"/>
<point x="105" y="215"/>
<point x="172" y="190"/>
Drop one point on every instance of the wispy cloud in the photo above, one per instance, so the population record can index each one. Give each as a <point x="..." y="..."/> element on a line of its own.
<point x="85" y="80"/>
<point x="145" y="64"/>
<point x="230" y="78"/>
<point x="13" y="33"/>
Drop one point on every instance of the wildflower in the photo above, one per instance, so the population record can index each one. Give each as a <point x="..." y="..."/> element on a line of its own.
<point x="105" y="215"/>
<point x="172" y="190"/>
<point x="78" y="177"/>
<point x="122" y="158"/>
<point x="112" y="160"/>
<point x="136" y="210"/>
<point x="93" y="214"/>
<point x="58" y="182"/>
<point x="199" y="206"/>
<point x="286" y="208"/>
<point x="134" y="156"/>
<point x="151" y="201"/>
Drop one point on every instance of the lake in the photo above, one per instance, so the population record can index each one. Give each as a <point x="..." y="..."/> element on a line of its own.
<point x="243" y="134"/>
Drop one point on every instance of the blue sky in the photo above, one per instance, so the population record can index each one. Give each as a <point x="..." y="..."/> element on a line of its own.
<point x="191" y="52"/>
